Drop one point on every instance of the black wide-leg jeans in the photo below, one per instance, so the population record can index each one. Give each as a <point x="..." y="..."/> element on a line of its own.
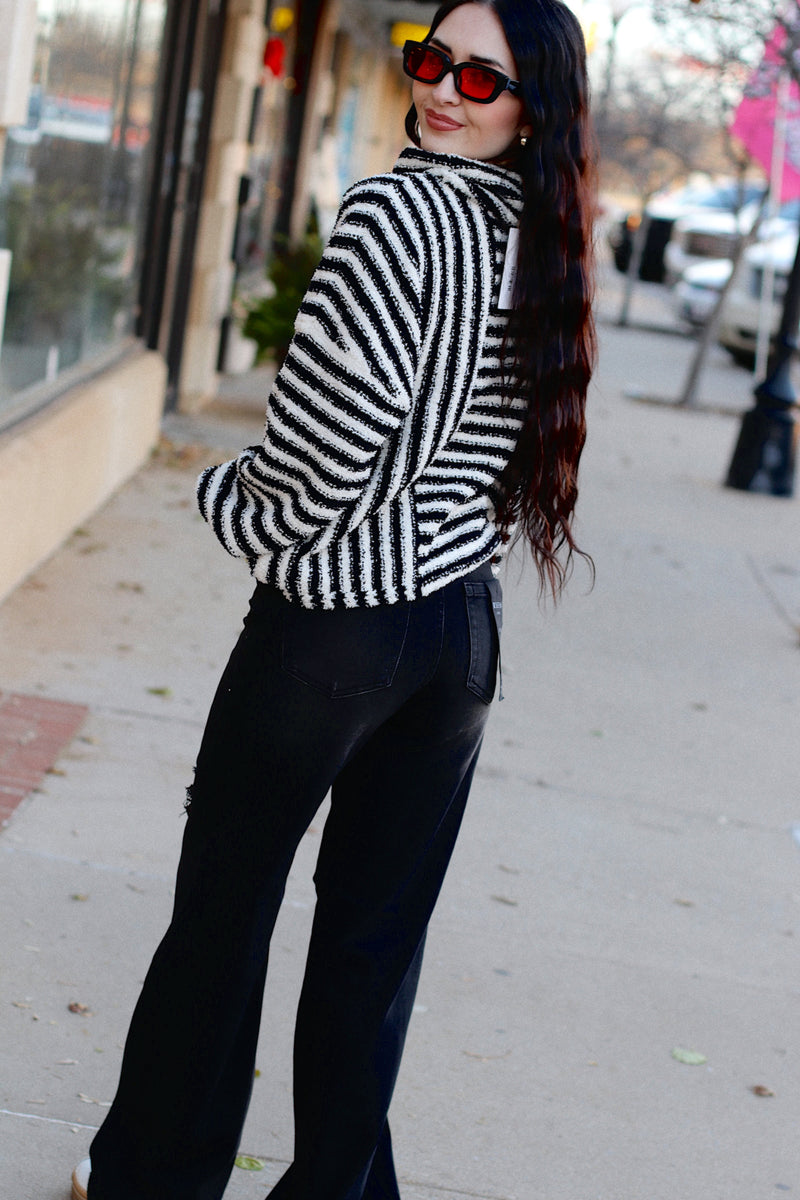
<point x="385" y="707"/>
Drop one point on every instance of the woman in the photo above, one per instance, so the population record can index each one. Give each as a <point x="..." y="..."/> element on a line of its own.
<point x="431" y="404"/>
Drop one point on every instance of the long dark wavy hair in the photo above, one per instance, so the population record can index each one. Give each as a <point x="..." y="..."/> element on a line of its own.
<point x="550" y="347"/>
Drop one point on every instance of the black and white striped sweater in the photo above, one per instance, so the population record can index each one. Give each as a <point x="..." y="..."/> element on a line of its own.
<point x="385" y="428"/>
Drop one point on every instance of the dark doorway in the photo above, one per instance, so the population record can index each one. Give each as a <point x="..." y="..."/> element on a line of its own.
<point x="190" y="66"/>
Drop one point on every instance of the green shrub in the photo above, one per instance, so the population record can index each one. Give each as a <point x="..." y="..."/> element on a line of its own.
<point x="269" y="320"/>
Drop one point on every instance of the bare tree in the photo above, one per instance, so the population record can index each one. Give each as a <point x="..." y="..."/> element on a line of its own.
<point x="727" y="40"/>
<point x="722" y="33"/>
<point x="650" y="136"/>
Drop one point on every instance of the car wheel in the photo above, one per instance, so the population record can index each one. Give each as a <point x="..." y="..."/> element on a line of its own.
<point x="742" y="358"/>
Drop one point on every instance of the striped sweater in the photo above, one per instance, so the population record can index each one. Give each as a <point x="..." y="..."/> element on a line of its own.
<point x="385" y="429"/>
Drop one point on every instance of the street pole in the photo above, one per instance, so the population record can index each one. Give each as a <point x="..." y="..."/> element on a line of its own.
<point x="617" y="10"/>
<point x="765" y="454"/>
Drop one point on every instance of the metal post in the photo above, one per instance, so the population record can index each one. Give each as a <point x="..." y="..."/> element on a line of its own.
<point x="765" y="454"/>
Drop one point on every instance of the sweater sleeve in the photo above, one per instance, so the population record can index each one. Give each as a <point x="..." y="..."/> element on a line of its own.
<point x="343" y="391"/>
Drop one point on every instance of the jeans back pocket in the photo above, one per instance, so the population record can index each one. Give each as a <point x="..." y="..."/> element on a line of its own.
<point x="485" y="617"/>
<point x="344" y="651"/>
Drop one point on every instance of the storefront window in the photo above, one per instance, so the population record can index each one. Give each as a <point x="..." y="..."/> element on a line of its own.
<point x="267" y="144"/>
<point x="73" y="189"/>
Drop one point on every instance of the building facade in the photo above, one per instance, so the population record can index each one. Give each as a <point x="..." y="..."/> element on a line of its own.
<point x="152" y="150"/>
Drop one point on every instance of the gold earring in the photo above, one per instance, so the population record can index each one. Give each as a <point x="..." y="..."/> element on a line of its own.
<point x="523" y="141"/>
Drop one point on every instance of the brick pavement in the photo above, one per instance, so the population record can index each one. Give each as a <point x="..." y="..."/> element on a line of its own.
<point x="33" y="732"/>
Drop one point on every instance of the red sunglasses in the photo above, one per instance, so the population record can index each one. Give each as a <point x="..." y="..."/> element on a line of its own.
<point x="472" y="80"/>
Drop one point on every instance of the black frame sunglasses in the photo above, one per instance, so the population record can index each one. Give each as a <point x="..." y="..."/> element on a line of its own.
<point x="429" y="64"/>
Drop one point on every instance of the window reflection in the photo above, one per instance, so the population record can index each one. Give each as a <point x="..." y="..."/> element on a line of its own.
<point x="73" y="186"/>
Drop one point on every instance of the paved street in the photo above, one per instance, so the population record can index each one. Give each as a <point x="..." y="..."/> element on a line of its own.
<point x="627" y="884"/>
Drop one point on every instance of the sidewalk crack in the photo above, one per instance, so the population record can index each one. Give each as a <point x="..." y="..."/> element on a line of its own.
<point x="777" y="605"/>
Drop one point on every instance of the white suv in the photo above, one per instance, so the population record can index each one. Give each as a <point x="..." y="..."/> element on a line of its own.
<point x="701" y="236"/>
<point x="738" y="330"/>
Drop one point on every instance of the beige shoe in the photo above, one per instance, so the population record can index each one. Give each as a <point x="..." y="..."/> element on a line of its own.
<point x="80" y="1179"/>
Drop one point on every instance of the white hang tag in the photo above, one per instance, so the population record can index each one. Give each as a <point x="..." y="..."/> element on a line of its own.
<point x="506" y="300"/>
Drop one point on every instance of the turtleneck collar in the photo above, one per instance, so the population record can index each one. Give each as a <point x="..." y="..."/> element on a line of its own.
<point x="499" y="187"/>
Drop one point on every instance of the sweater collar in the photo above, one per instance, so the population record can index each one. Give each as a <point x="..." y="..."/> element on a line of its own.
<point x="495" y="187"/>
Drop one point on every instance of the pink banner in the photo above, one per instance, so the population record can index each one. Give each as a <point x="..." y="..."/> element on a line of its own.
<point x="754" y="123"/>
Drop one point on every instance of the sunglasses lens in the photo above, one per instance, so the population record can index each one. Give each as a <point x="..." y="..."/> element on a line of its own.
<point x="476" y="83"/>
<point x="429" y="65"/>
<point x="424" y="64"/>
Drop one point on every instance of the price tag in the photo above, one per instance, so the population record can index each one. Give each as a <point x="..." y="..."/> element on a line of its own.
<point x="510" y="270"/>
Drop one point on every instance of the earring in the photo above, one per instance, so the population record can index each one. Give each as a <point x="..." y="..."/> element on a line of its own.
<point x="418" y="132"/>
<point x="523" y="141"/>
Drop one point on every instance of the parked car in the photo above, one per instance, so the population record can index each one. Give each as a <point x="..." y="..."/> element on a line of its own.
<point x="663" y="211"/>
<point x="710" y="234"/>
<point x="739" y="322"/>
<point x="698" y="289"/>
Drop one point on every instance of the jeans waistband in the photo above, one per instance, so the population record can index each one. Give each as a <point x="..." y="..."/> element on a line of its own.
<point x="483" y="572"/>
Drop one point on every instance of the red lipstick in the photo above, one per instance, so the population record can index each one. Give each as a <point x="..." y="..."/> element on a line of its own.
<point x="440" y="122"/>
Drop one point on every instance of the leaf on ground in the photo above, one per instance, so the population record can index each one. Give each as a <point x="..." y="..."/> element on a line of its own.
<point x="173" y="455"/>
<point x="759" y="1089"/>
<point x="692" y="1058"/>
<point x="247" y="1163"/>
<point x="79" y="896"/>
<point x="82" y="1010"/>
<point x="90" y="1100"/>
<point x="505" y="900"/>
<point x="159" y="691"/>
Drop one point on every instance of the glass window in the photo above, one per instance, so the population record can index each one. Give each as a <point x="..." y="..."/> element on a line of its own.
<point x="73" y="189"/>
<point x="267" y="145"/>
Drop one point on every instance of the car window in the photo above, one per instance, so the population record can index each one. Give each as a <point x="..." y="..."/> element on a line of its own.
<point x="729" y="197"/>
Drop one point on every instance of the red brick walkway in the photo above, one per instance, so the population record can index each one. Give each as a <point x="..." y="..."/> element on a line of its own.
<point x="33" y="732"/>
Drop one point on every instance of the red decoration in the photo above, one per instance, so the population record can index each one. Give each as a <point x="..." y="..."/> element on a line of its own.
<point x="275" y="55"/>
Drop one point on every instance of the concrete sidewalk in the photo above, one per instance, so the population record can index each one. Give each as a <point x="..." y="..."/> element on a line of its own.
<point x="627" y="883"/>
